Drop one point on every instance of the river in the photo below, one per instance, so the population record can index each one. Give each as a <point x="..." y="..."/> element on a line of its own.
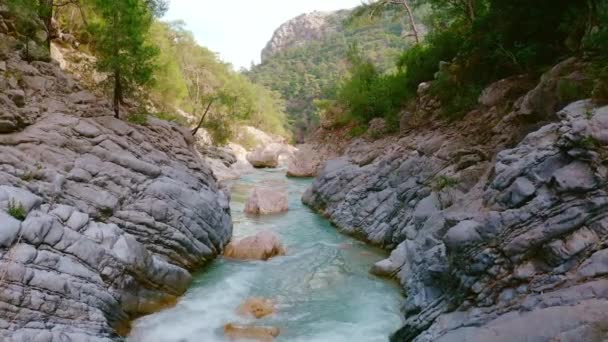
<point x="322" y="287"/>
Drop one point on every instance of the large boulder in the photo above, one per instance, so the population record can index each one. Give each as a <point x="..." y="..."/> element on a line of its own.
<point x="262" y="246"/>
<point x="304" y="162"/>
<point x="263" y="158"/>
<point x="271" y="155"/>
<point x="264" y="201"/>
<point x="101" y="221"/>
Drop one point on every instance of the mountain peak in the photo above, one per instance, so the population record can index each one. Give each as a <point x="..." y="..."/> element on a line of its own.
<point x="298" y="31"/>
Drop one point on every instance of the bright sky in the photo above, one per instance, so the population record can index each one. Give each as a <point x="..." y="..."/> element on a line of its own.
<point x="239" y="29"/>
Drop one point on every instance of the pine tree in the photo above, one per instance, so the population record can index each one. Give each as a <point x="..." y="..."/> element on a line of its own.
<point x="120" y="43"/>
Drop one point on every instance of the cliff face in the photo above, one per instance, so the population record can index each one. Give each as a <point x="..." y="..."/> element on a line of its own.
<point x="495" y="236"/>
<point x="101" y="221"/>
<point x="298" y="31"/>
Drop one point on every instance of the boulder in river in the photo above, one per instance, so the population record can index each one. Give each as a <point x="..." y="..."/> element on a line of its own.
<point x="262" y="246"/>
<point x="257" y="307"/>
<point x="268" y="156"/>
<point x="266" y="201"/>
<point x="255" y="333"/>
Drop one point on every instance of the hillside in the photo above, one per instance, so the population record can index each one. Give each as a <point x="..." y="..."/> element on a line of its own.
<point x="307" y="56"/>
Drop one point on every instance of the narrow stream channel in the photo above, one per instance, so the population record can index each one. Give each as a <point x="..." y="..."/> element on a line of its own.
<point x="322" y="287"/>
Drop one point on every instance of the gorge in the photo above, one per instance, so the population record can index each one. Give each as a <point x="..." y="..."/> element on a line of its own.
<point x="459" y="194"/>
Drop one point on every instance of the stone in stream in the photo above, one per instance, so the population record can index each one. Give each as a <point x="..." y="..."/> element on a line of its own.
<point x="268" y="156"/>
<point x="262" y="246"/>
<point x="257" y="307"/>
<point x="255" y="333"/>
<point x="266" y="201"/>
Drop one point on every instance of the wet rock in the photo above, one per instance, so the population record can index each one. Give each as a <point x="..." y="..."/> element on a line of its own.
<point x="257" y="307"/>
<point x="389" y="267"/>
<point x="263" y="201"/>
<point x="254" y="333"/>
<point x="262" y="246"/>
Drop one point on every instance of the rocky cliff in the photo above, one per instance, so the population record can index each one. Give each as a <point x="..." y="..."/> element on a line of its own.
<point x="497" y="224"/>
<point x="101" y="221"/>
<point x="298" y="31"/>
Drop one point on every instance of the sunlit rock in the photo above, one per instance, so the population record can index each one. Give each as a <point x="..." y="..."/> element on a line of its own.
<point x="262" y="246"/>
<point x="266" y="201"/>
<point x="255" y="333"/>
<point x="257" y="307"/>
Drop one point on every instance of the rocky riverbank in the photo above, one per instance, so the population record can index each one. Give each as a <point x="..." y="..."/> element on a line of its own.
<point x="497" y="223"/>
<point x="102" y="220"/>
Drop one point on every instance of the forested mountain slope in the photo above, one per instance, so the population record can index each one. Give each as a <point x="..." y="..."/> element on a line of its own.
<point x="307" y="57"/>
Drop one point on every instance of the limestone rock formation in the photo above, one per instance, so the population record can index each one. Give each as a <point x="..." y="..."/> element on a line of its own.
<point x="264" y="201"/>
<point x="297" y="31"/>
<point x="490" y="243"/>
<point x="262" y="246"/>
<point x="101" y="221"/>
<point x="271" y="155"/>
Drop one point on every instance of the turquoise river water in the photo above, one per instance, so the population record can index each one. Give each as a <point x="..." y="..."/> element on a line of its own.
<point x="322" y="288"/>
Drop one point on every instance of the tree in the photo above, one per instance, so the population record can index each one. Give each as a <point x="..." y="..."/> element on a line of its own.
<point x="121" y="46"/>
<point x="373" y="8"/>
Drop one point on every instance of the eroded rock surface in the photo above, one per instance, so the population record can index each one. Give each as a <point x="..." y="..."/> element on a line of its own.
<point x="264" y="201"/>
<point x="262" y="246"/>
<point x="115" y="216"/>
<point x="271" y="155"/>
<point x="490" y="243"/>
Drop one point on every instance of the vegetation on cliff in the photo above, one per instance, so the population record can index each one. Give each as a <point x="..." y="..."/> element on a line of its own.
<point x="471" y="44"/>
<point x="311" y="70"/>
<point x="153" y="67"/>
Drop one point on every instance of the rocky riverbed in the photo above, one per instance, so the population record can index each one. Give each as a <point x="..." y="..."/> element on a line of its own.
<point x="495" y="235"/>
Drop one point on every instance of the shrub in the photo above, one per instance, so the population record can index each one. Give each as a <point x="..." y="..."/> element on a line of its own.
<point x="357" y="131"/>
<point x="171" y="117"/>
<point x="138" y="119"/>
<point x="16" y="210"/>
<point x="220" y="129"/>
<point x="247" y="140"/>
<point x="443" y="182"/>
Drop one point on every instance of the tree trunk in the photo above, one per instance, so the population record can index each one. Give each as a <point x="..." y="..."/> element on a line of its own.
<point x="412" y="20"/>
<point x="117" y="94"/>
<point x="46" y="15"/>
<point x="200" y="123"/>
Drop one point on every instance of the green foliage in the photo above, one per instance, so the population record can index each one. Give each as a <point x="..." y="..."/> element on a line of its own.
<point x="443" y="182"/>
<point x="247" y="140"/>
<point x="313" y="70"/>
<point x="220" y="129"/>
<point x="171" y="117"/>
<point x="16" y="210"/>
<point x="121" y="46"/>
<point x="367" y="94"/>
<point x="138" y="118"/>
<point x="588" y="143"/>
<point x="191" y="77"/>
<point x="357" y="131"/>
<point x="27" y="15"/>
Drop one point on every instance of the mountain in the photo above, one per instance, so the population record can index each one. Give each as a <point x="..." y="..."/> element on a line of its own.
<point x="306" y="57"/>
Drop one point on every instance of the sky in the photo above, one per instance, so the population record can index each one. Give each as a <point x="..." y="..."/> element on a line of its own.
<point x="239" y="29"/>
